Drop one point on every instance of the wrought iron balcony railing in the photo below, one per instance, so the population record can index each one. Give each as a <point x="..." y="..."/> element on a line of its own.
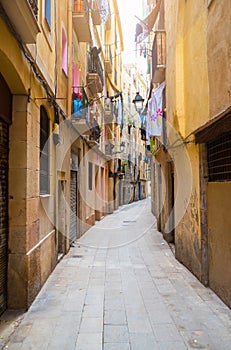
<point x="95" y="66"/>
<point x="95" y="77"/>
<point x="34" y="7"/>
<point x="95" y="131"/>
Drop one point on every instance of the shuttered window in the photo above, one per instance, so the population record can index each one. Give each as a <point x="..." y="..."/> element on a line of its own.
<point x="73" y="206"/>
<point x="44" y="152"/>
<point x="64" y="51"/>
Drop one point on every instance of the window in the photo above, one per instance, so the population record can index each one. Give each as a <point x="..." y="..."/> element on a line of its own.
<point x="44" y="152"/>
<point x="64" y="51"/>
<point x="48" y="11"/>
<point x="219" y="158"/>
<point x="90" y="176"/>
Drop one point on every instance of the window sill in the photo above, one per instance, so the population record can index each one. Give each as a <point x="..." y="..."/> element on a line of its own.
<point x="45" y="195"/>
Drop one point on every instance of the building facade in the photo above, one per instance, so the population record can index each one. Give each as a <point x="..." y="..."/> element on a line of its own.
<point x="55" y="179"/>
<point x="191" y="173"/>
<point x="35" y="84"/>
<point x="135" y="159"/>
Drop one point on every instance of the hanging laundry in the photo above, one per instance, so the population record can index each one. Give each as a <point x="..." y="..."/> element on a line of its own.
<point x="155" y="112"/>
<point x="119" y="117"/>
<point x="77" y="105"/>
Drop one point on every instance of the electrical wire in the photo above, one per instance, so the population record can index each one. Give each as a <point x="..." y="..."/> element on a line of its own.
<point x="31" y="61"/>
<point x="36" y="71"/>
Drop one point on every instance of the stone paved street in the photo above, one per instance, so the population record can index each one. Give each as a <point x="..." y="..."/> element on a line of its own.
<point x="120" y="288"/>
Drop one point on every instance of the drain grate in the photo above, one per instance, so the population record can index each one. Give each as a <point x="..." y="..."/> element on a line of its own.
<point x="77" y="256"/>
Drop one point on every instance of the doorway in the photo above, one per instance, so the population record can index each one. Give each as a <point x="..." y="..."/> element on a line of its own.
<point x="73" y="206"/>
<point x="61" y="219"/>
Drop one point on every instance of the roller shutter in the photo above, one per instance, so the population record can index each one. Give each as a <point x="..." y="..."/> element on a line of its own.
<point x="73" y="203"/>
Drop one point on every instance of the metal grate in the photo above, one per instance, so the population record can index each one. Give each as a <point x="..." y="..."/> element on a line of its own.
<point x="219" y="158"/>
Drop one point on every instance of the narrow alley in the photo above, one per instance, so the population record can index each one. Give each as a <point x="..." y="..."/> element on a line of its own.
<point x="120" y="288"/>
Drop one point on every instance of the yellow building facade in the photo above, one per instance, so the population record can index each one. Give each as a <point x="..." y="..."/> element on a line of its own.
<point x="192" y="174"/>
<point x="36" y="86"/>
<point x="54" y="171"/>
<point x="187" y="106"/>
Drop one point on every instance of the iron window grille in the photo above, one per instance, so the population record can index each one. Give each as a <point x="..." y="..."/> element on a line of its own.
<point x="219" y="158"/>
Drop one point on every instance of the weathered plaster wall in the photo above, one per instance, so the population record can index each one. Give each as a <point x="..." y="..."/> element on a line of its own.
<point x="187" y="108"/>
<point x="187" y="232"/>
<point x="13" y="65"/>
<point x="31" y="229"/>
<point x="219" y="54"/>
<point x="186" y="72"/>
<point x="32" y="238"/>
<point x="219" y="223"/>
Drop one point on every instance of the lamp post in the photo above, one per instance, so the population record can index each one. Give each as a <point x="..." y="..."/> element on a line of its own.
<point x="122" y="147"/>
<point x="138" y="102"/>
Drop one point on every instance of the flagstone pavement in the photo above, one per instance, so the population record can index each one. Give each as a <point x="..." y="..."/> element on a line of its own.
<point x="121" y="288"/>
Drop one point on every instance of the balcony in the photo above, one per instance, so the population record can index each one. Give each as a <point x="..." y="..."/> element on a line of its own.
<point x="80" y="110"/>
<point x="23" y="16"/>
<point x="159" y="57"/>
<point x="109" y="148"/>
<point x="95" y="79"/>
<point x="80" y="16"/>
<point x="108" y="59"/>
<point x="95" y="132"/>
<point x="79" y="103"/>
<point x="96" y="12"/>
<point x="108" y="114"/>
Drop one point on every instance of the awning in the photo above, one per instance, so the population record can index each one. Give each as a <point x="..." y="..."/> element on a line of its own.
<point x="144" y="27"/>
<point x="214" y="127"/>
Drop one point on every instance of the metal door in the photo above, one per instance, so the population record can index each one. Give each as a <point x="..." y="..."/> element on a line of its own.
<point x="73" y="205"/>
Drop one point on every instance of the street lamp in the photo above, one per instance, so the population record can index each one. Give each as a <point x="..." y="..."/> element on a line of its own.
<point x="122" y="147"/>
<point x="138" y="102"/>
